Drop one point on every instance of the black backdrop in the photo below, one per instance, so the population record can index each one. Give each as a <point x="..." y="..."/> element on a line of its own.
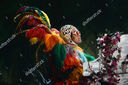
<point x="114" y="17"/>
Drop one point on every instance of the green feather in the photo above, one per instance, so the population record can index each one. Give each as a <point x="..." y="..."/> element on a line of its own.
<point x="59" y="55"/>
<point x="89" y="57"/>
<point x="40" y="13"/>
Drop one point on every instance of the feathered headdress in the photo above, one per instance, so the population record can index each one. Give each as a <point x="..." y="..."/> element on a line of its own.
<point x="31" y="16"/>
<point x="37" y="26"/>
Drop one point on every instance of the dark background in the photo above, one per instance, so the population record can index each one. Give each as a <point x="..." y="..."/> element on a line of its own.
<point x="114" y="17"/>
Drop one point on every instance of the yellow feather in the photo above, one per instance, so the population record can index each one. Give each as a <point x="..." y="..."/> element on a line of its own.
<point x="33" y="40"/>
<point x="26" y="16"/>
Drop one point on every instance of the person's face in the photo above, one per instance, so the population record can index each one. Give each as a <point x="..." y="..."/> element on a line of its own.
<point x="76" y="36"/>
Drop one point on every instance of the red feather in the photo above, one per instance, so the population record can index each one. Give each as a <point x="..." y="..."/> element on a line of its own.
<point x="33" y="22"/>
<point x="38" y="32"/>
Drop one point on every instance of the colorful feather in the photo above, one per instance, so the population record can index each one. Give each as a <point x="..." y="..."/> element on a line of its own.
<point x="38" y="32"/>
<point x="52" y="40"/>
<point x="59" y="55"/>
<point x="24" y="10"/>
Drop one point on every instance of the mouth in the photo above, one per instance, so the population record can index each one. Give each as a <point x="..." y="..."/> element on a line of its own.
<point x="79" y="38"/>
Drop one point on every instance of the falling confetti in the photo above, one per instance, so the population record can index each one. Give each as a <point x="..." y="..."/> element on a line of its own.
<point x="49" y="4"/>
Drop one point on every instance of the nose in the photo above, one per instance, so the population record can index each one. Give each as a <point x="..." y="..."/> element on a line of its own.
<point x="78" y="33"/>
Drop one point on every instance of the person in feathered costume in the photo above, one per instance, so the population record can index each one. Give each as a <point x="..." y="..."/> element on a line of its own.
<point x="65" y="57"/>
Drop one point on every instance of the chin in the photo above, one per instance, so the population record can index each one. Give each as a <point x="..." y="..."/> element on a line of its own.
<point x="79" y="42"/>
